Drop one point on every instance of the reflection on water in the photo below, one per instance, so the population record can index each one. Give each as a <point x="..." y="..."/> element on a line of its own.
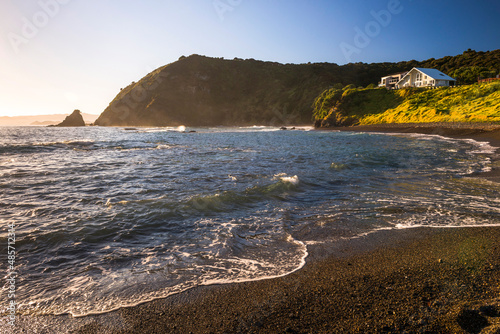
<point x="108" y="217"/>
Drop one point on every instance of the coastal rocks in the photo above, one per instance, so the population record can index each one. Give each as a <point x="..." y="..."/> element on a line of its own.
<point x="75" y="119"/>
<point x="481" y="319"/>
<point x="472" y="321"/>
<point x="490" y="310"/>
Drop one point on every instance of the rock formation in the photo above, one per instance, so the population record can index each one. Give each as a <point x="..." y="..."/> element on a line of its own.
<point x="75" y="119"/>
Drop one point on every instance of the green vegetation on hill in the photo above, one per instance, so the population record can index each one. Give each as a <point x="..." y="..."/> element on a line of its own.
<point x="468" y="66"/>
<point x="349" y="106"/>
<point x="203" y="91"/>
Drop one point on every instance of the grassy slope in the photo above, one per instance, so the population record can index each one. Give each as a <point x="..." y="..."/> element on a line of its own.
<point x="470" y="103"/>
<point x="203" y="91"/>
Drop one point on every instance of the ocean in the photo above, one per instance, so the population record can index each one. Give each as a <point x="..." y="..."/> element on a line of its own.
<point x="111" y="217"/>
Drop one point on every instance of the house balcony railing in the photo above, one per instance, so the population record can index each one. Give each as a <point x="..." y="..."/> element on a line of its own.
<point x="479" y="80"/>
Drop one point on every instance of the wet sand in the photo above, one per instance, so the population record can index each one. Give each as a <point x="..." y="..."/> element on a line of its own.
<point x="407" y="281"/>
<point x="422" y="280"/>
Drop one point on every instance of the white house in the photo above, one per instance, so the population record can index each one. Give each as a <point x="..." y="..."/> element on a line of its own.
<point x="425" y="77"/>
<point x="391" y="80"/>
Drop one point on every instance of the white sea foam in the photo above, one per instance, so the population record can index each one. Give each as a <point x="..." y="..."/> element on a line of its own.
<point x="283" y="177"/>
<point x="214" y="263"/>
<point x="163" y="147"/>
<point x="243" y="270"/>
<point x="480" y="146"/>
<point x="180" y="128"/>
<point x="257" y="128"/>
<point x="291" y="179"/>
<point x="122" y="227"/>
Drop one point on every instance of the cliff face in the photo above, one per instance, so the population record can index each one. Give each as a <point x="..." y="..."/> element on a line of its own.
<point x="202" y="91"/>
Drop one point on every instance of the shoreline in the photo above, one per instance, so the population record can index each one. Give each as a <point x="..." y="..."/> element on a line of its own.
<point x="433" y="280"/>
<point x="413" y="280"/>
<point x="476" y="131"/>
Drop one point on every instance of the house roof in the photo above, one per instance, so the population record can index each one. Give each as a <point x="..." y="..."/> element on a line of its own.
<point x="394" y="74"/>
<point x="435" y="74"/>
<point x="431" y="72"/>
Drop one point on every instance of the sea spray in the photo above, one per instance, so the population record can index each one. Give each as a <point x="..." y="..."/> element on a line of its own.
<point x="112" y="217"/>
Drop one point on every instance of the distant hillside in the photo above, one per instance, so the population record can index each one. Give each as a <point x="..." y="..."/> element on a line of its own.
<point x="203" y="91"/>
<point x="353" y="106"/>
<point x="40" y="120"/>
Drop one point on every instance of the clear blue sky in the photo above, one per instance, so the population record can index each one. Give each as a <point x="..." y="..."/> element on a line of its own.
<point x="60" y="55"/>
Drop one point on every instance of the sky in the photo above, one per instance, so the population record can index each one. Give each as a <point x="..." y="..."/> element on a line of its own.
<point x="61" y="55"/>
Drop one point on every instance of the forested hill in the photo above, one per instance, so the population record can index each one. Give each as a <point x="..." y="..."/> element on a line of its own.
<point x="467" y="67"/>
<point x="203" y="91"/>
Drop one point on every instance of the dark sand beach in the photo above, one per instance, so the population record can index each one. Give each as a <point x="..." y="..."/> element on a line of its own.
<point x="421" y="280"/>
<point x="409" y="281"/>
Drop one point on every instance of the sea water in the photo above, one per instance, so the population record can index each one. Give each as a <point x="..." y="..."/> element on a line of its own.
<point x="112" y="217"/>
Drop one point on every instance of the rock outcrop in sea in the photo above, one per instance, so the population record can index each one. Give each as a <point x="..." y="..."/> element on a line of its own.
<point x="75" y="119"/>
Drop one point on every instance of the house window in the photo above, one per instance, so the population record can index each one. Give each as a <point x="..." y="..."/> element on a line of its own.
<point x="418" y="77"/>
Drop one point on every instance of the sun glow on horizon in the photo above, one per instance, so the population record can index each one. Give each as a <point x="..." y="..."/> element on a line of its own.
<point x="59" y="55"/>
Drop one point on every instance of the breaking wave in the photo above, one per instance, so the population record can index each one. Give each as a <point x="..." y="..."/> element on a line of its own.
<point x="113" y="217"/>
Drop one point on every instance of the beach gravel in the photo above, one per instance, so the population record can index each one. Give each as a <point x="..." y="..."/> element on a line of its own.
<point x="422" y="280"/>
<point x="398" y="286"/>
